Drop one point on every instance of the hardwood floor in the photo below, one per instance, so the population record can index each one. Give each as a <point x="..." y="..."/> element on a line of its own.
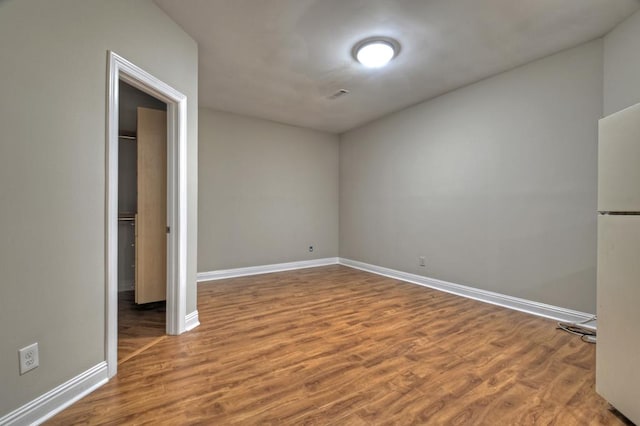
<point x="334" y="345"/>
<point x="139" y="326"/>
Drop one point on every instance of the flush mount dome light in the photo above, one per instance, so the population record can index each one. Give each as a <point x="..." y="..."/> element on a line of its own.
<point x="376" y="52"/>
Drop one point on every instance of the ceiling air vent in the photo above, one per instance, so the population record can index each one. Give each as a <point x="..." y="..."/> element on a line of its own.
<point x="340" y="93"/>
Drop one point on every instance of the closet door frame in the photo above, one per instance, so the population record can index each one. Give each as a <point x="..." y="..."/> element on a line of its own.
<point x="122" y="69"/>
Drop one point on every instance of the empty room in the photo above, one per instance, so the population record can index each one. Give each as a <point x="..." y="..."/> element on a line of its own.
<point x="331" y="212"/>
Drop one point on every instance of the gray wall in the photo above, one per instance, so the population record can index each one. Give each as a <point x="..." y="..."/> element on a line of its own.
<point x="52" y="169"/>
<point x="267" y="191"/>
<point x="494" y="183"/>
<point x="622" y="65"/>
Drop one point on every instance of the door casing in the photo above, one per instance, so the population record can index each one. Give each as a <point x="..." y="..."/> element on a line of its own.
<point x="122" y="69"/>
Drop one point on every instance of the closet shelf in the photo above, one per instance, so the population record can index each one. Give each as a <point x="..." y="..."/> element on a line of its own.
<point x="126" y="216"/>
<point x="125" y="134"/>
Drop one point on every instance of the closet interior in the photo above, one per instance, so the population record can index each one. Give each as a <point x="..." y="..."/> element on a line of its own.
<point x="142" y="207"/>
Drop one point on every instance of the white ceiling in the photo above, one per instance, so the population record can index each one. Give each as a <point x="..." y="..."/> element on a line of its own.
<point x="281" y="59"/>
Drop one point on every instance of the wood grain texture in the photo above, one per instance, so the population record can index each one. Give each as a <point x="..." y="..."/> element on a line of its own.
<point x="139" y="326"/>
<point x="151" y="220"/>
<point x="334" y="345"/>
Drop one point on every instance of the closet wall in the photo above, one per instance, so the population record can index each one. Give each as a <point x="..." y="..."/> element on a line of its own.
<point x="130" y="99"/>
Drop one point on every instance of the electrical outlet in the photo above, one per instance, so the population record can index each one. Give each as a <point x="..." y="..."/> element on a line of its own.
<point x="29" y="358"/>
<point x="310" y="248"/>
<point x="422" y="261"/>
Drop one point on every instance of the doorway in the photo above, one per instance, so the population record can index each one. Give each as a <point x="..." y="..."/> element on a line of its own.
<point x="119" y="69"/>
<point x="142" y="208"/>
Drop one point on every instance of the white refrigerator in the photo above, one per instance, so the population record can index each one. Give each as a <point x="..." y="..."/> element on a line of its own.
<point x="618" y="296"/>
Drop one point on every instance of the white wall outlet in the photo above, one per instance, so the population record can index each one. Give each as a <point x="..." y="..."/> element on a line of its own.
<point x="29" y="358"/>
<point x="422" y="261"/>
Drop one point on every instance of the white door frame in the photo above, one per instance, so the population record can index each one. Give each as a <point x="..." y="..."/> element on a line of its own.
<point x="121" y="69"/>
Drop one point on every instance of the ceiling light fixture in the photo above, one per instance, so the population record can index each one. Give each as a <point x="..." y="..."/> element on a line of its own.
<point x="376" y="52"/>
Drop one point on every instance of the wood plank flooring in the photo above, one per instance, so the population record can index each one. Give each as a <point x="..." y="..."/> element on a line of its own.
<point x="334" y="345"/>
<point x="139" y="326"/>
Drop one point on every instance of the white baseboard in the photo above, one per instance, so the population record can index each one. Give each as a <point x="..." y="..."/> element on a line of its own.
<point x="59" y="398"/>
<point x="516" y="303"/>
<point x="51" y="403"/>
<point x="191" y="321"/>
<point x="264" y="269"/>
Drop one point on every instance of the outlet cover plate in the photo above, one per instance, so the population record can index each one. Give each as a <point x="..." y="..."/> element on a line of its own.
<point x="29" y="358"/>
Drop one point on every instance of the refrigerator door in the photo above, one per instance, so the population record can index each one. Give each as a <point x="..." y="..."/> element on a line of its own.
<point x="619" y="161"/>
<point x="618" y="347"/>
